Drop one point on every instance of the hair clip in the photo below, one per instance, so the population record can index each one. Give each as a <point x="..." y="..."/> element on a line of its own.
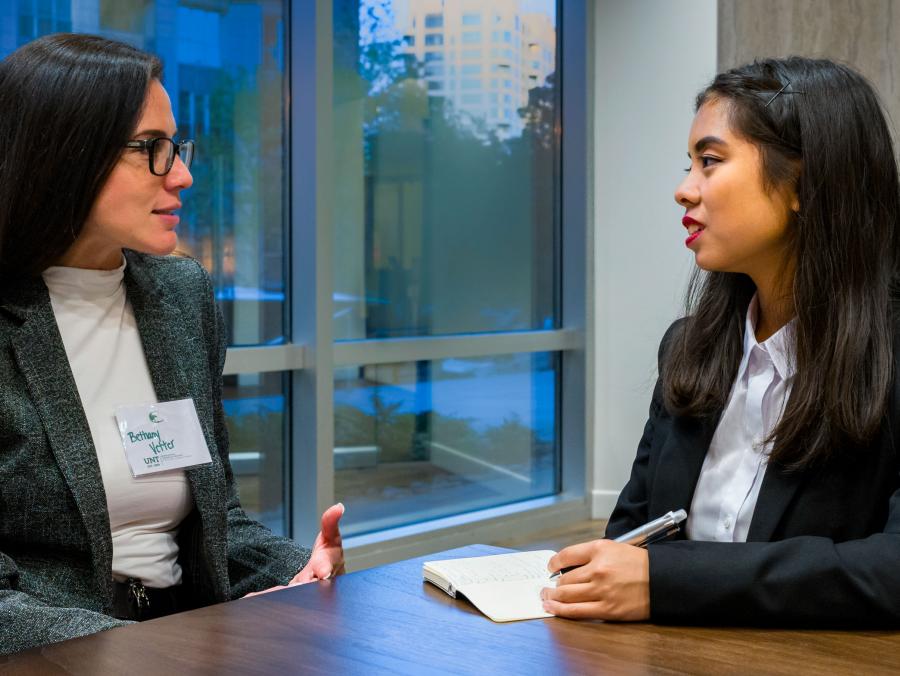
<point x="775" y="96"/>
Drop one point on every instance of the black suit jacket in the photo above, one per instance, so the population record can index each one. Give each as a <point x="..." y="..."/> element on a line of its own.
<point x="823" y="546"/>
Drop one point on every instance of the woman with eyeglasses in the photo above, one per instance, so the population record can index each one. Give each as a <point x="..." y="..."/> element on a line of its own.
<point x="117" y="500"/>
<point x="776" y="418"/>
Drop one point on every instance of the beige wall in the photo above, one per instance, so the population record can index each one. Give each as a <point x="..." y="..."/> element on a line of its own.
<point x="862" y="33"/>
<point x="647" y="72"/>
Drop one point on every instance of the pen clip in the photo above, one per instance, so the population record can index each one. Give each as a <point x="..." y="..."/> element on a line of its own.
<point x="662" y="535"/>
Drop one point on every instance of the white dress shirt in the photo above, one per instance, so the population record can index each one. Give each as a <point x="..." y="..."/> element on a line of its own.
<point x="104" y="349"/>
<point x="733" y="470"/>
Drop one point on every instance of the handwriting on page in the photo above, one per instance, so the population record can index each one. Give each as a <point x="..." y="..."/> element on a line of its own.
<point x="502" y="568"/>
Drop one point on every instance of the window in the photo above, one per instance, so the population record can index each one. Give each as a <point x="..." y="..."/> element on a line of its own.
<point x="418" y="439"/>
<point x="434" y="39"/>
<point x="434" y="21"/>
<point x="471" y="19"/>
<point x="470" y="54"/>
<point x="39" y="17"/>
<point x="434" y="56"/>
<point x="421" y="440"/>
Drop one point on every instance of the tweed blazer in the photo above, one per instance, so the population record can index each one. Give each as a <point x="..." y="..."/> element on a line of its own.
<point x="823" y="548"/>
<point x="55" y="542"/>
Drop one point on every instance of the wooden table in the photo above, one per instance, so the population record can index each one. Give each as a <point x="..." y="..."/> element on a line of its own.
<point x="387" y="621"/>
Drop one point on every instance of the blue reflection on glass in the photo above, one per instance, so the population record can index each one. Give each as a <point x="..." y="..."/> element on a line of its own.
<point x="423" y="440"/>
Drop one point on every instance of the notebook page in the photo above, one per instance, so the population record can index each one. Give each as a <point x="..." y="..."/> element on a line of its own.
<point x="508" y="601"/>
<point x="512" y="567"/>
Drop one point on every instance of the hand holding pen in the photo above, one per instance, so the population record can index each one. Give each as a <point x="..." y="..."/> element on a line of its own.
<point x="654" y="531"/>
<point x="606" y="579"/>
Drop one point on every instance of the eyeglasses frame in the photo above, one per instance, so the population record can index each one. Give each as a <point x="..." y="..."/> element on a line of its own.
<point x="148" y="143"/>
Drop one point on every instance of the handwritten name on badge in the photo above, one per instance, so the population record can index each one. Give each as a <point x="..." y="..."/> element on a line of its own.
<point x="162" y="436"/>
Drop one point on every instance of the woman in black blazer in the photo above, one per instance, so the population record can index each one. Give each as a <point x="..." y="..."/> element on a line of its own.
<point x="776" y="416"/>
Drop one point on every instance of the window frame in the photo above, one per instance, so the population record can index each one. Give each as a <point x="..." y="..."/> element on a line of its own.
<point x="312" y="355"/>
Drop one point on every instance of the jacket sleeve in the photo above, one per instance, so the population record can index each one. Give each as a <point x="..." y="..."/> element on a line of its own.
<point x="806" y="581"/>
<point x="26" y="622"/>
<point x="257" y="558"/>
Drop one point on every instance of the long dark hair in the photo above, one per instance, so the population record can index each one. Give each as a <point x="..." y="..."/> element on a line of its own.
<point x="68" y="103"/>
<point x="825" y="136"/>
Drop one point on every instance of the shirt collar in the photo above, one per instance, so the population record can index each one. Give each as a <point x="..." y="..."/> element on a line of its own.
<point x="779" y="346"/>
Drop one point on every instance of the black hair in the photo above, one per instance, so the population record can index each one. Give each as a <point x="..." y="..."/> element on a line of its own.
<point x="826" y="137"/>
<point x="68" y="104"/>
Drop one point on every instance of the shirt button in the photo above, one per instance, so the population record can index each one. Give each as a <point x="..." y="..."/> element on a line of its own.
<point x="727" y="523"/>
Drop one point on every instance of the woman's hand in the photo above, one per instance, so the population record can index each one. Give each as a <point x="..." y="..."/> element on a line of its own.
<point x="611" y="582"/>
<point x="327" y="559"/>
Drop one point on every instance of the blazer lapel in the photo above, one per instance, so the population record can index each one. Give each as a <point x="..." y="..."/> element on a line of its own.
<point x="681" y="460"/>
<point x="171" y="353"/>
<point x="155" y="318"/>
<point x="41" y="357"/>
<point x="775" y="494"/>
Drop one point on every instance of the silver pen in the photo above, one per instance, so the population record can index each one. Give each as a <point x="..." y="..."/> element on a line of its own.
<point x="651" y="532"/>
<point x="655" y="530"/>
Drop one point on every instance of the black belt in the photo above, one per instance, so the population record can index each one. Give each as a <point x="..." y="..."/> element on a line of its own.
<point x="133" y="601"/>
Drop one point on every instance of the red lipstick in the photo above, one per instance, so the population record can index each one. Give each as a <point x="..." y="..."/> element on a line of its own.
<point x="687" y="221"/>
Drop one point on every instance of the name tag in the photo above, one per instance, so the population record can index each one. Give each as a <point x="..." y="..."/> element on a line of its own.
<point x="163" y="436"/>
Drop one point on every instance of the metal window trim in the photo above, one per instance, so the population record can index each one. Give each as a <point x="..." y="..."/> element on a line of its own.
<point x="397" y="350"/>
<point x="264" y="359"/>
<point x="576" y="296"/>
<point x="311" y="193"/>
<point x="290" y="357"/>
<point x="314" y="355"/>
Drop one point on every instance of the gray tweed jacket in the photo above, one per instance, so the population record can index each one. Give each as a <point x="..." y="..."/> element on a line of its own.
<point x="55" y="543"/>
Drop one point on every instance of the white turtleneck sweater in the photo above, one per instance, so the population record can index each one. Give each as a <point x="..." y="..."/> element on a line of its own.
<point x="107" y="359"/>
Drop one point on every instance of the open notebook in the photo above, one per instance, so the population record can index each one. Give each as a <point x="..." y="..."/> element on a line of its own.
<point x="505" y="587"/>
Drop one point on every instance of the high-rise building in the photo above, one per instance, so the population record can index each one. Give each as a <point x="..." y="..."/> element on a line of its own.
<point x="483" y="61"/>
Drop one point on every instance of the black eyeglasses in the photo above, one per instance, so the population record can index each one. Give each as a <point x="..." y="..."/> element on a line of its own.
<point x="161" y="153"/>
